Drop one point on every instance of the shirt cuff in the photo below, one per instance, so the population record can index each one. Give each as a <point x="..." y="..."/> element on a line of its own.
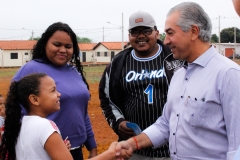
<point x="154" y="134"/>
<point x="230" y="155"/>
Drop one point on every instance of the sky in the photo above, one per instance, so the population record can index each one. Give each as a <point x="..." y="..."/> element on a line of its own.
<point x="98" y="20"/>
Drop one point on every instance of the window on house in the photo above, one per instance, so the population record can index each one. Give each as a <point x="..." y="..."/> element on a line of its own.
<point x="105" y="54"/>
<point x="26" y="53"/>
<point x="14" y="56"/>
<point x="112" y="54"/>
<point x="98" y="54"/>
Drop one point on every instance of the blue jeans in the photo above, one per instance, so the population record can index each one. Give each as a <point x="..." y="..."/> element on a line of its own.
<point x="77" y="154"/>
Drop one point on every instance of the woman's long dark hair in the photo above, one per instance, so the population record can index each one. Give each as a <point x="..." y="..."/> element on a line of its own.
<point x="18" y="94"/>
<point x="39" y="50"/>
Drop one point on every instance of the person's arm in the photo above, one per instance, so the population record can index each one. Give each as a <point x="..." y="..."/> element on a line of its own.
<point x="139" y="142"/>
<point x="154" y="136"/>
<point x="92" y="153"/>
<point x="90" y="143"/>
<point x="112" y="112"/>
<point x="110" y="154"/>
<point x="56" y="148"/>
<point x="229" y="96"/>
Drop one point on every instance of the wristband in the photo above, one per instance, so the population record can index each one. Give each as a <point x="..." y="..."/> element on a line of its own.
<point x="134" y="138"/>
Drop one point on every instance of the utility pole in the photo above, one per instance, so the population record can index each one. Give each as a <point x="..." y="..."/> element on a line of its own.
<point x="103" y="34"/>
<point x="32" y="35"/>
<point x="122" y="34"/>
<point x="234" y="43"/>
<point x="120" y="27"/>
<point x="219" y="35"/>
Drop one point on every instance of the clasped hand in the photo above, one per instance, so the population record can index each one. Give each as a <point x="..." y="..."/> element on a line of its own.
<point x="120" y="150"/>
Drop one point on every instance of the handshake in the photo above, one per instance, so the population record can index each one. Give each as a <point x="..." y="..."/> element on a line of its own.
<point x="123" y="150"/>
<point x="117" y="151"/>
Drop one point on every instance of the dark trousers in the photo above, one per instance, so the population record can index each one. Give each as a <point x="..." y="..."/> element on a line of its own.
<point x="77" y="154"/>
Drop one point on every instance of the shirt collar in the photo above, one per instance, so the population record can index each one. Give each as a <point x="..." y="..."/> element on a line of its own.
<point x="205" y="57"/>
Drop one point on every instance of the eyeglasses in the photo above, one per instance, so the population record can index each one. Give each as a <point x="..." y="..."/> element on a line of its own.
<point x="145" y="32"/>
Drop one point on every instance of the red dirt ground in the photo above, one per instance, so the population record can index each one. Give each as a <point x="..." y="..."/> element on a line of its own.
<point x="103" y="133"/>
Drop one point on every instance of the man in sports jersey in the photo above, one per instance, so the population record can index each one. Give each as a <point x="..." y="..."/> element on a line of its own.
<point x="134" y="86"/>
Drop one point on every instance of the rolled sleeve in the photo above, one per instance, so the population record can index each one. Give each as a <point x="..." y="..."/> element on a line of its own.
<point x="158" y="132"/>
<point x="230" y="100"/>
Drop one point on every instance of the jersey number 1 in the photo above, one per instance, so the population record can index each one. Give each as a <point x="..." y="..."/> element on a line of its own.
<point x="149" y="92"/>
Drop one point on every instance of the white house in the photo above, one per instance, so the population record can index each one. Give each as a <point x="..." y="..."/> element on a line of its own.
<point x="104" y="51"/>
<point x="15" y="53"/>
<point x="86" y="52"/>
<point x="227" y="49"/>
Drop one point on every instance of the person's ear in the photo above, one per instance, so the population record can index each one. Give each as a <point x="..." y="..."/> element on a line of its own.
<point x="157" y="34"/>
<point x="194" y="32"/>
<point x="33" y="99"/>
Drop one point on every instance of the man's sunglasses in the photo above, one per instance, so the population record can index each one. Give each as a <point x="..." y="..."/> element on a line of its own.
<point x="145" y="32"/>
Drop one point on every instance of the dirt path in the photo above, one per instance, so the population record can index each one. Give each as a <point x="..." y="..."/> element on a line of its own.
<point x="103" y="133"/>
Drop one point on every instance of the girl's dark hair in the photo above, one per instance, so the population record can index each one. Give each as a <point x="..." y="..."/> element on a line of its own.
<point x="17" y="96"/>
<point x="39" y="50"/>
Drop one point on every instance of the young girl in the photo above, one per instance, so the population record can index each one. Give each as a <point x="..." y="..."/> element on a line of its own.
<point x="2" y="115"/>
<point x="34" y="136"/>
<point x="2" y="110"/>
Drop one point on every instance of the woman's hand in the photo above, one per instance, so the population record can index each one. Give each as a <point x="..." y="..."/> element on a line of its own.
<point x="68" y="144"/>
<point x="92" y="153"/>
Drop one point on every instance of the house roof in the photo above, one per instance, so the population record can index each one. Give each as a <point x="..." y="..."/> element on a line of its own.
<point x="111" y="45"/>
<point x="227" y="44"/>
<point x="28" y="45"/>
<point x="17" y="44"/>
<point x="86" y="46"/>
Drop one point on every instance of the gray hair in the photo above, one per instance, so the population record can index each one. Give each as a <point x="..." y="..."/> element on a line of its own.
<point x="192" y="13"/>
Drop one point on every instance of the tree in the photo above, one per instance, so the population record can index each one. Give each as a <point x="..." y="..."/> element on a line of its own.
<point x="83" y="40"/>
<point x="227" y="35"/>
<point x="214" y="38"/>
<point x="162" y="36"/>
<point x="34" y="38"/>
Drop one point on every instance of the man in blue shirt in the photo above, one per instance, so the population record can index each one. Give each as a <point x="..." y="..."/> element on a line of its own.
<point x="201" y="116"/>
<point x="236" y="4"/>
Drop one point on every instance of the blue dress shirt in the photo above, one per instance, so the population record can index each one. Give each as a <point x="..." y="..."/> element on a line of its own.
<point x="201" y="117"/>
<point x="237" y="155"/>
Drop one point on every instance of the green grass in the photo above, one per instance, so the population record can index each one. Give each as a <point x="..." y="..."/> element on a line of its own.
<point x="93" y="73"/>
<point x="8" y="72"/>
